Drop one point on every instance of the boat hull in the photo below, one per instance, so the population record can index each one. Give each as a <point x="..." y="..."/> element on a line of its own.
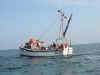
<point x="40" y="53"/>
<point x="25" y="52"/>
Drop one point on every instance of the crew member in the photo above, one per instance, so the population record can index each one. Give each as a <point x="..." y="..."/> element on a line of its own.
<point x="32" y="41"/>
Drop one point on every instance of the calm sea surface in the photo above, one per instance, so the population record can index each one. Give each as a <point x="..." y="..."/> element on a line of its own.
<point x="85" y="61"/>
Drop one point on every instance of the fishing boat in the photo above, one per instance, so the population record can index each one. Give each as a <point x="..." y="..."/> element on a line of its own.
<point x="57" y="47"/>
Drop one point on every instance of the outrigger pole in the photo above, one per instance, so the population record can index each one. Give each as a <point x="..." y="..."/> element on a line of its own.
<point x="64" y="33"/>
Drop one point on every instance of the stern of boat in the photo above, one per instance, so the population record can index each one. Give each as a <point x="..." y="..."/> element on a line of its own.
<point x="67" y="51"/>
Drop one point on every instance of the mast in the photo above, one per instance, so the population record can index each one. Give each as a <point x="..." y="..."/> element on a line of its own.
<point x="62" y="24"/>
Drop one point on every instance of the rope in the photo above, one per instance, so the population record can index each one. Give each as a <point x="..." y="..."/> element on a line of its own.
<point x="48" y="29"/>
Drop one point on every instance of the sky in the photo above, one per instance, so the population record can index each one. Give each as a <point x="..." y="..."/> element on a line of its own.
<point x="22" y="19"/>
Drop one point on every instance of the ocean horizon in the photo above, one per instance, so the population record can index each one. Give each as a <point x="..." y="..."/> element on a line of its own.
<point x="72" y="45"/>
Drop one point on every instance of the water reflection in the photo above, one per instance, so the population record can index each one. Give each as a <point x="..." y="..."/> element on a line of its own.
<point x="51" y="66"/>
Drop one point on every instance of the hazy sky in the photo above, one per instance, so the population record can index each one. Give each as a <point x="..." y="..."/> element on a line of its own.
<point x="22" y="19"/>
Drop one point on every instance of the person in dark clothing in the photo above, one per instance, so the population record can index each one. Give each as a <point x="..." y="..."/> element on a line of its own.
<point x="54" y="45"/>
<point x="27" y="45"/>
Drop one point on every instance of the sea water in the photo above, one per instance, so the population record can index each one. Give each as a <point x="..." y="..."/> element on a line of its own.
<point x="84" y="61"/>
